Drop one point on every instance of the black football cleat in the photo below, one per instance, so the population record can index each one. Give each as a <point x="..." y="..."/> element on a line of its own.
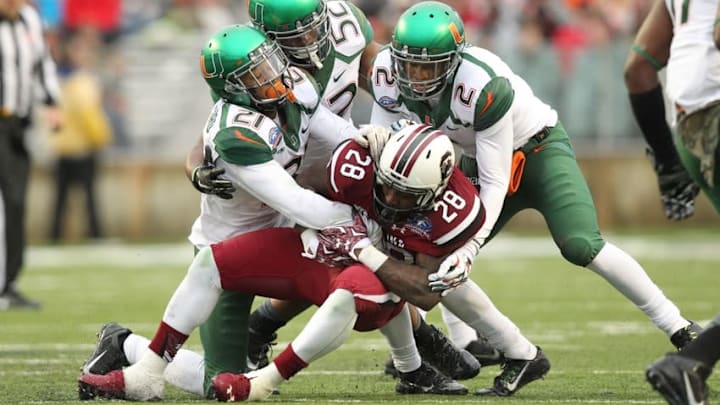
<point x="108" y="354"/>
<point x="436" y="349"/>
<point x="685" y="335"/>
<point x="484" y="353"/>
<point x="427" y="380"/>
<point x="680" y="380"/>
<point x="516" y="374"/>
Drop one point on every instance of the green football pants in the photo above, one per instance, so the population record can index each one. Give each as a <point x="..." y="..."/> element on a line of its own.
<point x="553" y="184"/>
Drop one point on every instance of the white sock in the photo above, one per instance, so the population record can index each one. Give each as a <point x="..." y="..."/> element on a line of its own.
<point x="461" y="334"/>
<point x="196" y="296"/>
<point x="628" y="277"/>
<point x="328" y="328"/>
<point x="470" y="303"/>
<point x="398" y="333"/>
<point x="187" y="370"/>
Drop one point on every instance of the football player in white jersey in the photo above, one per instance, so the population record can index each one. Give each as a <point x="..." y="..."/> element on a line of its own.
<point x="332" y="40"/>
<point x="682" y="36"/>
<point x="514" y="148"/>
<point x="256" y="133"/>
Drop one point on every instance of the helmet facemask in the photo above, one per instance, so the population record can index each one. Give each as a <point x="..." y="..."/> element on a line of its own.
<point x="308" y="44"/>
<point x="421" y="76"/>
<point x="264" y="79"/>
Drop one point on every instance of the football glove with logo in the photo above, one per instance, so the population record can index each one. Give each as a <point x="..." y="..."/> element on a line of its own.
<point x="206" y="178"/>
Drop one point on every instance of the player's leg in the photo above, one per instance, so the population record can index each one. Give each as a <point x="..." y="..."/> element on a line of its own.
<point x="692" y="164"/>
<point x="414" y="374"/>
<point x="681" y="377"/>
<point x="233" y="265"/>
<point x="264" y="323"/>
<point x="554" y="185"/>
<point x="224" y="336"/>
<point x="327" y="329"/>
<point x="524" y="362"/>
<point x="464" y="336"/>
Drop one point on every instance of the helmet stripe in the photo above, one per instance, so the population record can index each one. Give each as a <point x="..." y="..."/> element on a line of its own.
<point x="420" y="150"/>
<point x="403" y="148"/>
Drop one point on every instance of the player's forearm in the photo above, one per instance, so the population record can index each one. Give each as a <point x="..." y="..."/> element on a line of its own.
<point x="409" y="282"/>
<point x="716" y="28"/>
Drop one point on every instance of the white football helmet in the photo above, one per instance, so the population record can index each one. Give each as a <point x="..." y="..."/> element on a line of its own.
<point x="417" y="160"/>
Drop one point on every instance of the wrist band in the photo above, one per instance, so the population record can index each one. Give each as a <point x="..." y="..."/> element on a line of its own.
<point x="372" y="258"/>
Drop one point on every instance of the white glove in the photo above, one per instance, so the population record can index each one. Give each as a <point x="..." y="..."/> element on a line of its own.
<point x="372" y="137"/>
<point x="453" y="271"/>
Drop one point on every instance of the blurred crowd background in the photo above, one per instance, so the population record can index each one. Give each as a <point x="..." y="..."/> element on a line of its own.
<point x="570" y="51"/>
<point x="144" y="56"/>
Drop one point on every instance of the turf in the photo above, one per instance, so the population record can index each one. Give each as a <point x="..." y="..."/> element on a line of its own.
<point x="598" y="342"/>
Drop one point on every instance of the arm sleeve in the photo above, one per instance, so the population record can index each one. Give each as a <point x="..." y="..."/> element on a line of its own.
<point x="271" y="184"/>
<point x="494" y="158"/>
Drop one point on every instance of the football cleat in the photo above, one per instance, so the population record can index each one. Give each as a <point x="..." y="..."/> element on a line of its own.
<point x="229" y="387"/>
<point x="108" y="354"/>
<point x="105" y="386"/>
<point x="683" y="336"/>
<point x="259" y="347"/>
<point x="436" y="349"/>
<point x="516" y="374"/>
<point x="484" y="353"/>
<point x="680" y="380"/>
<point x="390" y="368"/>
<point x="427" y="380"/>
<point x="133" y="383"/>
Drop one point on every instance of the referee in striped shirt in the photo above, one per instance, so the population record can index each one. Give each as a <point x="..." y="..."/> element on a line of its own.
<point x="26" y="71"/>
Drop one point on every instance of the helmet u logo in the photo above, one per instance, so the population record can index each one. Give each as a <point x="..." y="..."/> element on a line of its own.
<point x="215" y="69"/>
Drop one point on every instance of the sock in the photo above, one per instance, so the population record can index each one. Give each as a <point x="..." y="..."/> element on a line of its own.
<point x="470" y="303"/>
<point x="265" y="320"/>
<point x="399" y="335"/>
<point x="167" y="342"/>
<point x="705" y="347"/>
<point x="628" y="277"/>
<point x="288" y="364"/>
<point x="134" y="347"/>
<point x="649" y="111"/>
<point x="186" y="372"/>
<point x="328" y="327"/>
<point x="459" y="332"/>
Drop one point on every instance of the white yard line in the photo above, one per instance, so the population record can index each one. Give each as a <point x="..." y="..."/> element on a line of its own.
<point x="180" y="254"/>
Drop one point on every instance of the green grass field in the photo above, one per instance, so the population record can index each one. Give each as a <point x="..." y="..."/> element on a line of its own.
<point x="598" y="342"/>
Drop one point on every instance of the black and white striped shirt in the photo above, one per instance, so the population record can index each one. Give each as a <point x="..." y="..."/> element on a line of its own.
<point x="27" y="70"/>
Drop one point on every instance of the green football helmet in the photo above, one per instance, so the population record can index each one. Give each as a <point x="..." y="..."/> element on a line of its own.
<point x="241" y="65"/>
<point x="425" y="48"/>
<point x="300" y="27"/>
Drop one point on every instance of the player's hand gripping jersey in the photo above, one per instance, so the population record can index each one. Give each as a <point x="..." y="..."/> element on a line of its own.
<point x="261" y="155"/>
<point x="456" y="217"/>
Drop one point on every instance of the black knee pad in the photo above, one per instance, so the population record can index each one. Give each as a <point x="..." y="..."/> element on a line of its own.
<point x="579" y="250"/>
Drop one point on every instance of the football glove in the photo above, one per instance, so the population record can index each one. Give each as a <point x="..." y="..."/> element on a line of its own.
<point x="677" y="189"/>
<point x="336" y="246"/>
<point x="206" y="178"/>
<point x="372" y="137"/>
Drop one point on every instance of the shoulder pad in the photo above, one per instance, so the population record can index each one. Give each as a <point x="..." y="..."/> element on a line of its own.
<point x="493" y="102"/>
<point x="383" y="86"/>
<point x="242" y="146"/>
